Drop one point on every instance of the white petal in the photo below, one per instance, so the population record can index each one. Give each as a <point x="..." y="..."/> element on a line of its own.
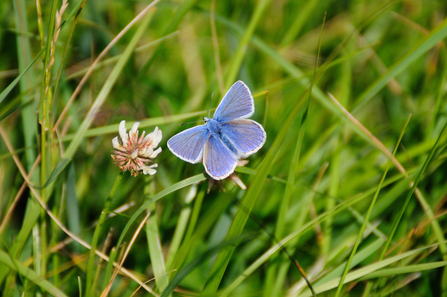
<point x="155" y="153"/>
<point x="158" y="137"/>
<point x="154" y="138"/>
<point x="149" y="169"/>
<point x="123" y="133"/>
<point x="135" y="126"/>
<point x="134" y="154"/>
<point x="146" y="151"/>
<point x="149" y="138"/>
<point x="116" y="144"/>
<point x="134" y="130"/>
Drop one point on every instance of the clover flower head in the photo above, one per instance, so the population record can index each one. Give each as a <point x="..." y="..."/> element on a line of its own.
<point x="135" y="153"/>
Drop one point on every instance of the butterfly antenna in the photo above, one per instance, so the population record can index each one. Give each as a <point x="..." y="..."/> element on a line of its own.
<point x="211" y="101"/>
<point x="181" y="124"/>
<point x="282" y="247"/>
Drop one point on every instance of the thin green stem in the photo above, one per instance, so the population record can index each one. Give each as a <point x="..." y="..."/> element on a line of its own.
<point x="371" y="206"/>
<point x="90" y="283"/>
<point x="238" y="56"/>
<point x="410" y="194"/>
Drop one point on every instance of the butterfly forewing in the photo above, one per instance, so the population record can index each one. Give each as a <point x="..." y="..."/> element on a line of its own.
<point x="218" y="159"/>
<point x="237" y="103"/>
<point x="246" y="136"/>
<point x="188" y="145"/>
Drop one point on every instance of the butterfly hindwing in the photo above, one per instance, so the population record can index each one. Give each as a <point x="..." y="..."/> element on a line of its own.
<point x="246" y="136"/>
<point x="218" y="159"/>
<point x="237" y="103"/>
<point x="188" y="145"/>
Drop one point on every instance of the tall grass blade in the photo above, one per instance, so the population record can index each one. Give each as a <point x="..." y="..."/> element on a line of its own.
<point x="8" y="89"/>
<point x="371" y="206"/>
<point x="423" y="45"/>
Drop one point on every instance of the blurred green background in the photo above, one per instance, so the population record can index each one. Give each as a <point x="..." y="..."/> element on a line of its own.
<point x="312" y="183"/>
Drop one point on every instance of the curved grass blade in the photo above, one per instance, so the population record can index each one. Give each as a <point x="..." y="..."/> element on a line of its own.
<point x="184" y="183"/>
<point x="8" y="89"/>
<point x="113" y="59"/>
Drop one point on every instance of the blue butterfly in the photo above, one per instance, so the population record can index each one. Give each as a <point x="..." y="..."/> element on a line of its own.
<point x="226" y="138"/>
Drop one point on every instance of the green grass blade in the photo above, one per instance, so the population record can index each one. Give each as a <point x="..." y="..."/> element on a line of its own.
<point x="182" y="225"/>
<point x="181" y="184"/>
<point x="152" y="122"/>
<point x="29" y="274"/>
<point x="194" y="235"/>
<point x="8" y="89"/>
<point x="425" y="44"/>
<point x="60" y="166"/>
<point x="238" y="56"/>
<point x="74" y="221"/>
<point x="410" y="194"/>
<point x="371" y="206"/>
<point x="359" y="257"/>
<point x="404" y="269"/>
<point x="359" y="273"/>
<point x="25" y="58"/>
<point x="299" y="22"/>
<point x="154" y="243"/>
<point x="199" y="260"/>
<point x="156" y="252"/>
<point x="299" y="232"/>
<point x="90" y="283"/>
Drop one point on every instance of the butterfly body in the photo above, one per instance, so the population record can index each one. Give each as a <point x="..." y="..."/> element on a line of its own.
<point x="224" y="139"/>
<point x="213" y="125"/>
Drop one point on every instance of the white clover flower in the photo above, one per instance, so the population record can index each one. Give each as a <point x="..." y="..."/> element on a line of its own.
<point x="135" y="153"/>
